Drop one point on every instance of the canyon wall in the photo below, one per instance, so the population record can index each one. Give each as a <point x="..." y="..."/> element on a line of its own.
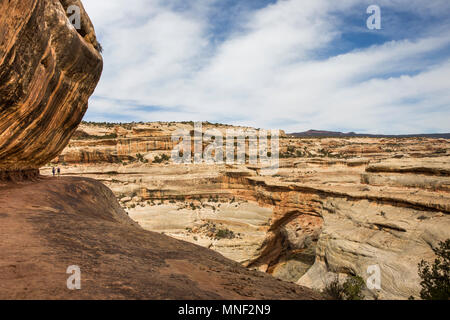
<point x="48" y="70"/>
<point x="350" y="230"/>
<point x="336" y="206"/>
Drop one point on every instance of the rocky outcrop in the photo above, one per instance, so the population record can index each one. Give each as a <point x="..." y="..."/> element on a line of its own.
<point x="336" y="206"/>
<point x="77" y="221"/>
<point x="48" y="70"/>
<point x="359" y="235"/>
<point x="349" y="229"/>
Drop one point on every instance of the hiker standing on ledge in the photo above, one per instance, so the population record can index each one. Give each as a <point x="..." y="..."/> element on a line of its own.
<point x="59" y="171"/>
<point x="53" y="171"/>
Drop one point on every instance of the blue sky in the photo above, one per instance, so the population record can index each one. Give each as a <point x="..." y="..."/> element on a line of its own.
<point x="291" y="64"/>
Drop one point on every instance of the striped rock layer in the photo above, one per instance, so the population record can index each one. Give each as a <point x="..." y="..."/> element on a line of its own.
<point x="48" y="71"/>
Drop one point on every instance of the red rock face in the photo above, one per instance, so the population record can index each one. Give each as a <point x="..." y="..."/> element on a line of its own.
<point x="48" y="70"/>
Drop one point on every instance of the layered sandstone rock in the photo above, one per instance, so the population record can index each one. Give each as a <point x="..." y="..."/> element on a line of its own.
<point x="77" y="221"/>
<point x="335" y="207"/>
<point x="115" y="143"/>
<point x="48" y="70"/>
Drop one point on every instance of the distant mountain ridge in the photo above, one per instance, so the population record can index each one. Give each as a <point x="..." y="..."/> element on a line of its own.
<point x="324" y="133"/>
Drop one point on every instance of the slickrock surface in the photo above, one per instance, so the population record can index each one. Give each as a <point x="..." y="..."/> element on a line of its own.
<point x="335" y="206"/>
<point x="53" y="223"/>
<point x="48" y="70"/>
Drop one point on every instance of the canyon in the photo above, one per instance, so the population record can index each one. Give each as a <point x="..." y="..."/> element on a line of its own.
<point x="142" y="227"/>
<point x="336" y="206"/>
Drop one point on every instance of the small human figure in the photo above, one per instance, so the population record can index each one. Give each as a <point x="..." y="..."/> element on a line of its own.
<point x="59" y="171"/>
<point x="53" y="171"/>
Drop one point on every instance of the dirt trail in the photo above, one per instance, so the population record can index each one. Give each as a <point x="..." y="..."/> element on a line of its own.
<point x="52" y="223"/>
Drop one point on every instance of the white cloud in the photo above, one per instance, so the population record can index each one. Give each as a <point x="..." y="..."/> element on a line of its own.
<point x="266" y="72"/>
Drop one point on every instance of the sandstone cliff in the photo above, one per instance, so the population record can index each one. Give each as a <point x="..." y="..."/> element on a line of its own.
<point x="336" y="206"/>
<point x="48" y="70"/>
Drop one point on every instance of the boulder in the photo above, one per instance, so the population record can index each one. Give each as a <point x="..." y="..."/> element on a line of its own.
<point x="48" y="70"/>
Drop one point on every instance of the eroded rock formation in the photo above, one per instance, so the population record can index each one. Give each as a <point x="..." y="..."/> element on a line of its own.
<point x="336" y="206"/>
<point x="77" y="221"/>
<point x="48" y="70"/>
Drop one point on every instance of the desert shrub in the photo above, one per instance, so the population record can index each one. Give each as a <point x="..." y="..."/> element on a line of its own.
<point x="334" y="289"/>
<point x="353" y="287"/>
<point x="224" y="234"/>
<point x="164" y="157"/>
<point x="350" y="290"/>
<point x="157" y="159"/>
<point x="436" y="278"/>
<point x="140" y="157"/>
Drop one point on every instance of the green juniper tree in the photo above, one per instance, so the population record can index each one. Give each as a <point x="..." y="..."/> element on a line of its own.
<point x="436" y="278"/>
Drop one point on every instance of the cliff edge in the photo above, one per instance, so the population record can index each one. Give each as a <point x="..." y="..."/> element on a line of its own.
<point x="62" y="222"/>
